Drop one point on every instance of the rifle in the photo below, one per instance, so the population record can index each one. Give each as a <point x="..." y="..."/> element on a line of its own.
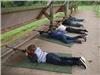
<point x="40" y="32"/>
<point x="30" y="56"/>
<point x="14" y="49"/>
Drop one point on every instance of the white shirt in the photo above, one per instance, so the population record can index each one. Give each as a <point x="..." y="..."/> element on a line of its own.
<point x="41" y="55"/>
<point x="61" y="27"/>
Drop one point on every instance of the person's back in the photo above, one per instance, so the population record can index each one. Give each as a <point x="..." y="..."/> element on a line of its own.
<point x="41" y="55"/>
<point x="66" y="21"/>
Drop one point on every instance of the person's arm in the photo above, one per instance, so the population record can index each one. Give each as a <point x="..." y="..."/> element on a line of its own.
<point x="41" y="32"/>
<point x="33" y="58"/>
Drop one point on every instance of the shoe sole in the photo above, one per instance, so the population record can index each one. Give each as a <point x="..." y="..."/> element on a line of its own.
<point x="83" y="59"/>
<point x="84" y="64"/>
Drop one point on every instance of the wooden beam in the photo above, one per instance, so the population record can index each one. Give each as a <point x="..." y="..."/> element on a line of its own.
<point x="46" y="14"/>
<point x="43" y="10"/>
<point x="41" y="13"/>
<point x="61" y="9"/>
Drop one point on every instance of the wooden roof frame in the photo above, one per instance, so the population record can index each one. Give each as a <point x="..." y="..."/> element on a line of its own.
<point x="49" y="16"/>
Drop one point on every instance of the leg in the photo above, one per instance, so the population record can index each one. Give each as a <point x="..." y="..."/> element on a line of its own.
<point x="73" y="38"/>
<point x="74" y="60"/>
<point x="75" y="24"/>
<point x="70" y="58"/>
<point x="76" y="19"/>
<point x="55" y="59"/>
<point x="67" y="40"/>
<point x="52" y="58"/>
<point x="72" y="30"/>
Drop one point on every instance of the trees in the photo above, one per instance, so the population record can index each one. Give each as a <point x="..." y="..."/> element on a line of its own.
<point x="7" y="4"/>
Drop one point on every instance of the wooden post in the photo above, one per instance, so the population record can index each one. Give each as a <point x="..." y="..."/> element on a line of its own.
<point x="65" y="8"/>
<point x="51" y="16"/>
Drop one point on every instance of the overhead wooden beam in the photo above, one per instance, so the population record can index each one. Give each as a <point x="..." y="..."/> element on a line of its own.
<point x="43" y="11"/>
<point x="49" y="16"/>
<point x="61" y="9"/>
<point x="46" y="14"/>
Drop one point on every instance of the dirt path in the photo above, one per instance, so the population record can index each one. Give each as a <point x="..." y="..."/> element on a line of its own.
<point x="89" y="50"/>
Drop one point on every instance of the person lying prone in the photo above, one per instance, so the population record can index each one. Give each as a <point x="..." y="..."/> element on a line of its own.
<point x="37" y="55"/>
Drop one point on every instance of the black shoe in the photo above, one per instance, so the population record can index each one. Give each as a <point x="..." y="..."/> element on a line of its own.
<point x="81" y="20"/>
<point x="84" y="39"/>
<point x="82" y="64"/>
<point x="78" y="41"/>
<point x="85" y="30"/>
<point x="83" y="35"/>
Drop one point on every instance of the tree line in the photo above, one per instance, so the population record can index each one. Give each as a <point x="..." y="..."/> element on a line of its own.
<point x="7" y="4"/>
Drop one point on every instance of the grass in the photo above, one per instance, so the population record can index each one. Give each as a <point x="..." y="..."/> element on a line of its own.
<point x="28" y="27"/>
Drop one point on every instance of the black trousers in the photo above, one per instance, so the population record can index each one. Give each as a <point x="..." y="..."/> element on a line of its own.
<point x="76" y="19"/>
<point x="52" y="58"/>
<point x="72" y="23"/>
<point x="72" y="30"/>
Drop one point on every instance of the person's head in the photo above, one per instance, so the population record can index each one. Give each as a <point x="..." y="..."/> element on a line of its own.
<point x="31" y="48"/>
<point x="57" y="24"/>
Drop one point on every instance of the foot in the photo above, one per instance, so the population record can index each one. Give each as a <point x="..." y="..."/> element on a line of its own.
<point x="81" y="20"/>
<point x="82" y="35"/>
<point x="85" y="30"/>
<point x="83" y="59"/>
<point x="78" y="41"/>
<point x="84" y="39"/>
<point x="82" y="64"/>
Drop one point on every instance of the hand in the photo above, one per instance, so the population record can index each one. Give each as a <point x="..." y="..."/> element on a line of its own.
<point x="26" y="53"/>
<point x="15" y="49"/>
